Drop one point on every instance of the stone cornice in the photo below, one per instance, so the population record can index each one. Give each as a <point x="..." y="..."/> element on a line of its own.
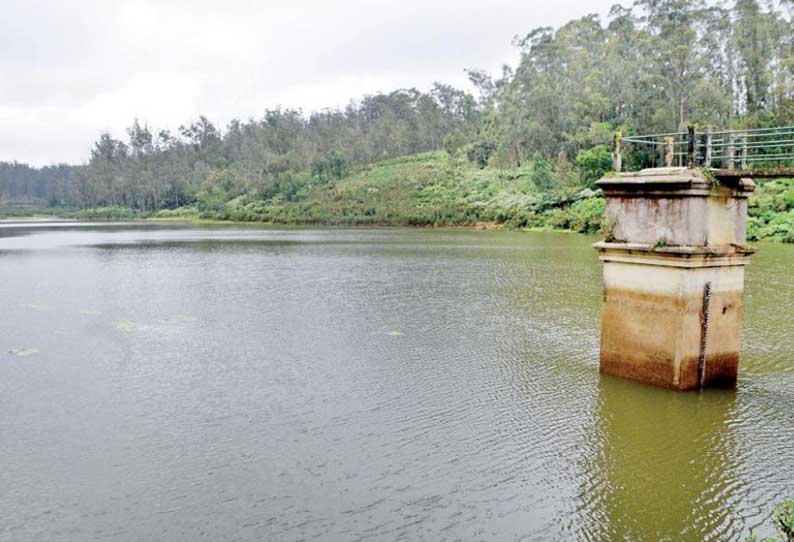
<point x="674" y="256"/>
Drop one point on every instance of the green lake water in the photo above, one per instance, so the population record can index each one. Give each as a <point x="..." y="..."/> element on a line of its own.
<point x="183" y="383"/>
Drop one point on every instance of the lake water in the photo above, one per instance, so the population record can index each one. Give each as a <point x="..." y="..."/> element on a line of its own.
<point x="182" y="383"/>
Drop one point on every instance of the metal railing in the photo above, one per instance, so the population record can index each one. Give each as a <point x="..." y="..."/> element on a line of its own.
<point x="742" y="149"/>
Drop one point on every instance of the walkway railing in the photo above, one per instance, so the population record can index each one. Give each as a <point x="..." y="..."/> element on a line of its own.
<point x="747" y="149"/>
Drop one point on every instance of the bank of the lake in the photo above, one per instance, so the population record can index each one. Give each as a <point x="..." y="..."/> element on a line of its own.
<point x="434" y="189"/>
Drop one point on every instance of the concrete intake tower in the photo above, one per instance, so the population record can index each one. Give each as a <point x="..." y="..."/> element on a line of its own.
<point x="674" y="258"/>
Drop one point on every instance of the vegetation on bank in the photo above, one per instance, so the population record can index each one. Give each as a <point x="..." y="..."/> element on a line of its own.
<point x="429" y="189"/>
<point x="113" y="213"/>
<point x="771" y="211"/>
<point x="30" y="210"/>
<point x="436" y="189"/>
<point x="783" y="519"/>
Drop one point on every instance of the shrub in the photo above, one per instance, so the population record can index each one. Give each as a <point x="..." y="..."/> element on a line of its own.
<point x="587" y="214"/>
<point x="453" y="142"/>
<point x="543" y="175"/>
<point x="107" y="213"/>
<point x="211" y="203"/>
<point x="780" y="228"/>
<point x="783" y="518"/>
<point x="180" y="212"/>
<point x="594" y="163"/>
<point x="481" y="152"/>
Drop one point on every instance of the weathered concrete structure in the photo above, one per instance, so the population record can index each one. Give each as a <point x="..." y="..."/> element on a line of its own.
<point x="674" y="259"/>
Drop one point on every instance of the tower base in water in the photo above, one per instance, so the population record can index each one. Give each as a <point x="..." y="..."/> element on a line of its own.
<point x="673" y="277"/>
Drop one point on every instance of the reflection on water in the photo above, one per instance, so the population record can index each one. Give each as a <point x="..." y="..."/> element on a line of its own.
<point x="183" y="383"/>
<point x="664" y="466"/>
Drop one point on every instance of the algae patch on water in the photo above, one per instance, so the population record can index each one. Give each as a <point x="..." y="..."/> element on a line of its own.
<point x="23" y="352"/>
<point x="178" y="319"/>
<point x="126" y="326"/>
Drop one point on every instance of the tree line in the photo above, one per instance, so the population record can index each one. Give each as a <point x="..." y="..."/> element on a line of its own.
<point x="653" y="67"/>
<point x="277" y="153"/>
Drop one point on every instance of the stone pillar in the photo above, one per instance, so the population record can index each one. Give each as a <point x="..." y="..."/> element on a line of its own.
<point x="674" y="258"/>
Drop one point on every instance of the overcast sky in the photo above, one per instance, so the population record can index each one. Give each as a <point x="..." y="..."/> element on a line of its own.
<point x="72" y="69"/>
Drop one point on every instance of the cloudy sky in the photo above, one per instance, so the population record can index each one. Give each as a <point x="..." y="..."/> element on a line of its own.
<point x="71" y="69"/>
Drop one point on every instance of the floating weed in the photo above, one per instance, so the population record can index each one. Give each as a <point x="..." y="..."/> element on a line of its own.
<point x="23" y="352"/>
<point x="395" y="333"/>
<point x="90" y="312"/>
<point x="178" y="319"/>
<point x="37" y="307"/>
<point x="125" y="325"/>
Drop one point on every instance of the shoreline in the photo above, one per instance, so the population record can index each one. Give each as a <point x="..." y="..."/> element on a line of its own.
<point x="477" y="226"/>
<point x="196" y="221"/>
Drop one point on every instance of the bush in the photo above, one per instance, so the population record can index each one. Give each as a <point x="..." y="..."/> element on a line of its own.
<point x="771" y="212"/>
<point x="481" y="152"/>
<point x="543" y="175"/>
<point x="754" y="226"/>
<point x="453" y="142"/>
<point x="783" y="518"/>
<point x="594" y="163"/>
<point x="180" y="212"/>
<point x="211" y="203"/>
<point x="780" y="228"/>
<point x="107" y="213"/>
<point x="587" y="215"/>
<point x="559" y="219"/>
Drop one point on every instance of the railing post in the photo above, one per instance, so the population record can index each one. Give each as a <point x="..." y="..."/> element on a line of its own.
<point x="744" y="151"/>
<point x="705" y="150"/>
<point x="729" y="162"/>
<point x="617" y="159"/>
<point x="691" y="146"/>
<point x="669" y="151"/>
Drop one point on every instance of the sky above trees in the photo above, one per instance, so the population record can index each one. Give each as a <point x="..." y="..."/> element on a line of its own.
<point x="71" y="70"/>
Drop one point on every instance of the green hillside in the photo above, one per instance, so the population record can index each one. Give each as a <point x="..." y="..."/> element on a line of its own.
<point x="429" y="189"/>
<point x="434" y="189"/>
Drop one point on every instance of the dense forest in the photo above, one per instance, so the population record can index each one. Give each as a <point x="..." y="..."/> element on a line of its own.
<point x="540" y="131"/>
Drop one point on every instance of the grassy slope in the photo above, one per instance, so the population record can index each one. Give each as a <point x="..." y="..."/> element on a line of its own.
<point x="434" y="189"/>
<point x="428" y="189"/>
